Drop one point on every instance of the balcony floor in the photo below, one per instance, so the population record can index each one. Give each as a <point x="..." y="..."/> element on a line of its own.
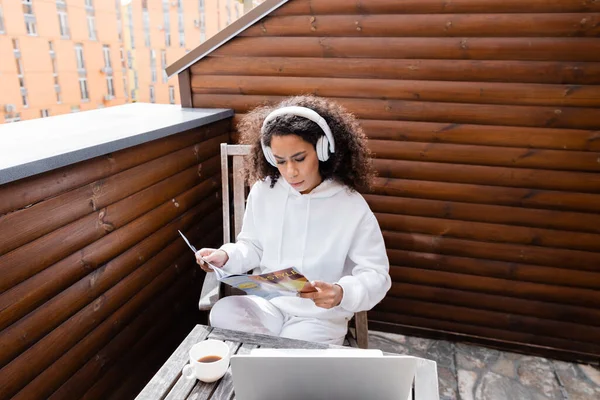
<point x="468" y="372"/>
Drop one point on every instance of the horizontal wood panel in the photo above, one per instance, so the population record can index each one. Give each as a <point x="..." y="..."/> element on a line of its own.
<point x="117" y="364"/>
<point x="320" y="7"/>
<point x="534" y="116"/>
<point x="560" y="220"/>
<point x="430" y="25"/>
<point x="486" y="155"/>
<point x="491" y="232"/>
<point x="16" y="266"/>
<point x="83" y="293"/>
<point x="583" y="182"/>
<point x="523" y="341"/>
<point x="501" y="136"/>
<point x="25" y="192"/>
<point x="549" y="72"/>
<point x="533" y="49"/>
<point x="438" y="91"/>
<point x="511" y="305"/>
<point x="32" y="222"/>
<point x="26" y="296"/>
<point x="33" y="363"/>
<point x="512" y="253"/>
<point x="485" y="194"/>
<point x="493" y="319"/>
<point x="524" y="290"/>
<point x="564" y="276"/>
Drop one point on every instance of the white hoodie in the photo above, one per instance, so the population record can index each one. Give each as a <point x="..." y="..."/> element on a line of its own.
<point x="329" y="234"/>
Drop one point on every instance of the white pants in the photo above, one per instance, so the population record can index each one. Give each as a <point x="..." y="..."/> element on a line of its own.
<point x="254" y="314"/>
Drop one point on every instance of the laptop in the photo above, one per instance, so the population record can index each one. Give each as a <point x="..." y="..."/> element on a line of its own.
<point x="275" y="374"/>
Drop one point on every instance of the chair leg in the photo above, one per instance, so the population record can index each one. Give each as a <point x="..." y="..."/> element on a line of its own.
<point x="362" y="329"/>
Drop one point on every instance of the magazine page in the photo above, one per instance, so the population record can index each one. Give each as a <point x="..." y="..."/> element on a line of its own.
<point x="285" y="282"/>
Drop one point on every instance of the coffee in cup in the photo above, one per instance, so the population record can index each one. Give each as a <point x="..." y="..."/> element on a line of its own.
<point x="209" y="361"/>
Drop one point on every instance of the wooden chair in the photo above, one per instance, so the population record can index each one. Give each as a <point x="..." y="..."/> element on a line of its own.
<point x="211" y="290"/>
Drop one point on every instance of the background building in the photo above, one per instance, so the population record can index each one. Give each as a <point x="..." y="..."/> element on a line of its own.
<point x="60" y="56"/>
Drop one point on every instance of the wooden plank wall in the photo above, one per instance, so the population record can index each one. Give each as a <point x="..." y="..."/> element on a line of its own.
<point x="484" y="117"/>
<point x="97" y="286"/>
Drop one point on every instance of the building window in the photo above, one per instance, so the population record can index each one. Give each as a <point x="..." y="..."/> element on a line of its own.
<point x="63" y="23"/>
<point x="146" y="22"/>
<point x="106" y="53"/>
<point x="125" y="89"/>
<point x="110" y="87"/>
<point x="12" y="118"/>
<point x="75" y="109"/>
<point x="131" y="32"/>
<point x="167" y="23"/>
<point x="79" y="55"/>
<point x="163" y="61"/>
<point x="20" y="72"/>
<point x="153" y="66"/>
<point x="228" y="9"/>
<point x="83" y="89"/>
<point x="91" y="23"/>
<point x="171" y="94"/>
<point x="136" y="84"/>
<point x="54" y="71"/>
<point x="123" y="60"/>
<point x="202" y="22"/>
<point x="181" y="23"/>
<point x="45" y="113"/>
<point x="119" y="20"/>
<point x="89" y="4"/>
<point x="30" y="23"/>
<point x="152" y="95"/>
<point x="2" y="28"/>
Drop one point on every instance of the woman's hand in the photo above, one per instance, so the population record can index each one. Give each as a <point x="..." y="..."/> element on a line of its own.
<point x="327" y="295"/>
<point x="218" y="258"/>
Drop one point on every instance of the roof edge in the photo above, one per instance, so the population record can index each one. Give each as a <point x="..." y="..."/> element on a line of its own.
<point x="222" y="37"/>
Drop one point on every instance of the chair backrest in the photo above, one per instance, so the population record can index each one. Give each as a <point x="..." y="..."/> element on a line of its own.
<point x="237" y="151"/>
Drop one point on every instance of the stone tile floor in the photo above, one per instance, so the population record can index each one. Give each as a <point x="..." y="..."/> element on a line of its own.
<point x="468" y="372"/>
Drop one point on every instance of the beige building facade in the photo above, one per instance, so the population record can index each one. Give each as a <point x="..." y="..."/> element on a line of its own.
<point x="61" y="56"/>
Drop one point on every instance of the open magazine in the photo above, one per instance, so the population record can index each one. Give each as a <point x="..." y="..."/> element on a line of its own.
<point x="285" y="282"/>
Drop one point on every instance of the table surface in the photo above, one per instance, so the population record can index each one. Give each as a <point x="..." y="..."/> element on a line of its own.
<point x="168" y="383"/>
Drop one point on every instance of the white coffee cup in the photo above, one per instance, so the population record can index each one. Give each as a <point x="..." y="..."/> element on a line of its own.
<point x="209" y="361"/>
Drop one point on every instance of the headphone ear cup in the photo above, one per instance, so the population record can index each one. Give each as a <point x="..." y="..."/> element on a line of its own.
<point x="322" y="148"/>
<point x="270" y="157"/>
<point x="268" y="154"/>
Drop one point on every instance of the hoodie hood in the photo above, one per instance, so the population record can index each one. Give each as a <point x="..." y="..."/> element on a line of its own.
<point x="327" y="188"/>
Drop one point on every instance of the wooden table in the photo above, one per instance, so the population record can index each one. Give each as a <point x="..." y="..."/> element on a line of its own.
<point x="168" y="383"/>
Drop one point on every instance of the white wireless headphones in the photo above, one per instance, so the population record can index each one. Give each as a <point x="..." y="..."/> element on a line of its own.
<point x="323" y="143"/>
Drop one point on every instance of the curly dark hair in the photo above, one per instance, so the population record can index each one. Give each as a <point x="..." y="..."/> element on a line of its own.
<point x="349" y="165"/>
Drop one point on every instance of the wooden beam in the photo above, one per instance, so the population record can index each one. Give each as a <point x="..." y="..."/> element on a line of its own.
<point x="533" y="49"/>
<point x="454" y="113"/>
<point x="437" y="91"/>
<point x="562" y="276"/>
<point x="516" y="216"/>
<point x="323" y="7"/>
<point x="585" y="182"/>
<point x="550" y="72"/>
<point x="476" y="251"/>
<point x="185" y="93"/>
<point x="486" y="194"/>
<point x="430" y="25"/>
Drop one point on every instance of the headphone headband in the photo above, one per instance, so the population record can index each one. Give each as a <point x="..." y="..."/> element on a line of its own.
<point x="305" y="113"/>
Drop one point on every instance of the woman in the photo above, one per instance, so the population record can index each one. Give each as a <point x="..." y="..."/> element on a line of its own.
<point x="309" y="158"/>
